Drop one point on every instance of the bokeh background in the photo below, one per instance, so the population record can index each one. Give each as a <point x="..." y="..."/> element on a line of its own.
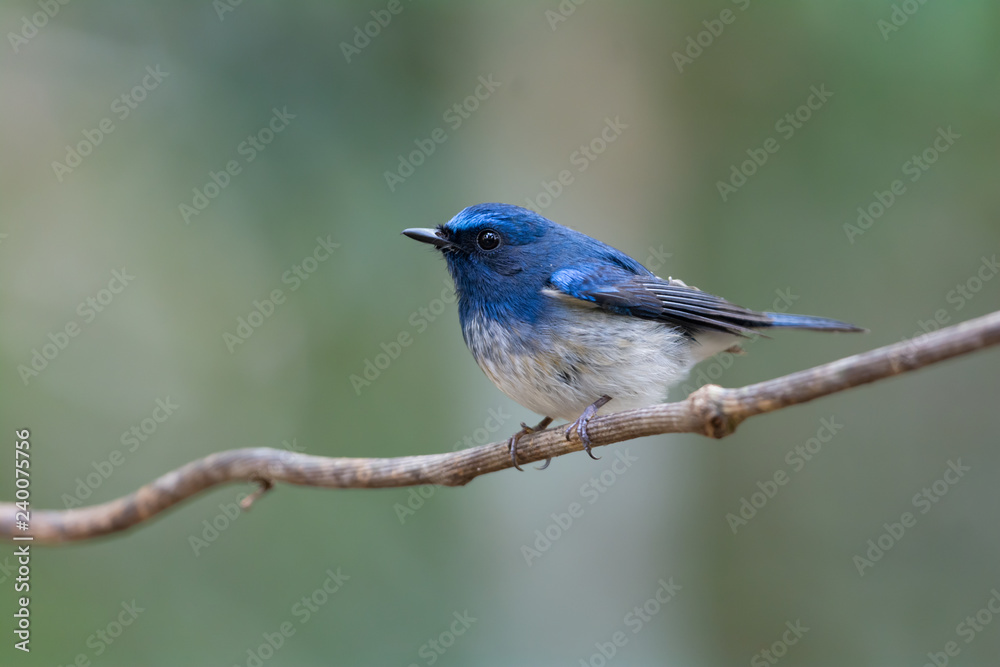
<point x="558" y="74"/>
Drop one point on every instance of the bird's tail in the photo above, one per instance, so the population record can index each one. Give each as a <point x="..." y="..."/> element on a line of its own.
<point x="809" y="322"/>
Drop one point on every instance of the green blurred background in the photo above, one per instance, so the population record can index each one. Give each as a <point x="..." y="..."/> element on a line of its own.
<point x="652" y="192"/>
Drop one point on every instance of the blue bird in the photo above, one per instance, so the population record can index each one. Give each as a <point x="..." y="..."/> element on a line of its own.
<point x="563" y="323"/>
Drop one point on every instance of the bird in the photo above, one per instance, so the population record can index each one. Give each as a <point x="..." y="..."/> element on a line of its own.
<point x="565" y="325"/>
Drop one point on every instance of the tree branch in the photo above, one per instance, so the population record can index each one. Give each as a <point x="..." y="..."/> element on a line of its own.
<point x="711" y="411"/>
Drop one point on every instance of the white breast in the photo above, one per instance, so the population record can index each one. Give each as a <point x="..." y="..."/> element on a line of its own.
<point x="576" y="354"/>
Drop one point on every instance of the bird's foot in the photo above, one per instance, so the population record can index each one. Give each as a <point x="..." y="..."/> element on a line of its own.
<point x="580" y="425"/>
<point x="525" y="430"/>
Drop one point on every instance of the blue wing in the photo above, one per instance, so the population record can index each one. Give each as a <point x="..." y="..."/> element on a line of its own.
<point x="620" y="291"/>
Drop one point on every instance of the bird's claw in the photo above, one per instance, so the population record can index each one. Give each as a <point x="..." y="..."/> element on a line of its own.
<point x="525" y="430"/>
<point x="580" y="425"/>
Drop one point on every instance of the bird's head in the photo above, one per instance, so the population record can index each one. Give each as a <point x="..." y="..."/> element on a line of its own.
<point x="496" y="251"/>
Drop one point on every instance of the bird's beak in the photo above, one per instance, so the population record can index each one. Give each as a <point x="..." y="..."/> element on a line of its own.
<point x="428" y="236"/>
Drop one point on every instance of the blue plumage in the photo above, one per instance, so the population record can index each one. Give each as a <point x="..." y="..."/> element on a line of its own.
<point x="563" y="323"/>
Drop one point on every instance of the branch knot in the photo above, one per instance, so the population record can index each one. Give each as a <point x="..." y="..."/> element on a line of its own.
<point x="708" y="408"/>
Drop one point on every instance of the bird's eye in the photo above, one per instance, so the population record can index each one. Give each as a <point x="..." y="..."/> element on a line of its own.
<point x="488" y="239"/>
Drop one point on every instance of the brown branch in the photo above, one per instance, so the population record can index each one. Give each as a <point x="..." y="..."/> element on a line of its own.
<point x="711" y="411"/>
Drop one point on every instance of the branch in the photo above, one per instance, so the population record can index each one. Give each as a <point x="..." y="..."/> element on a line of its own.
<point x="711" y="411"/>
